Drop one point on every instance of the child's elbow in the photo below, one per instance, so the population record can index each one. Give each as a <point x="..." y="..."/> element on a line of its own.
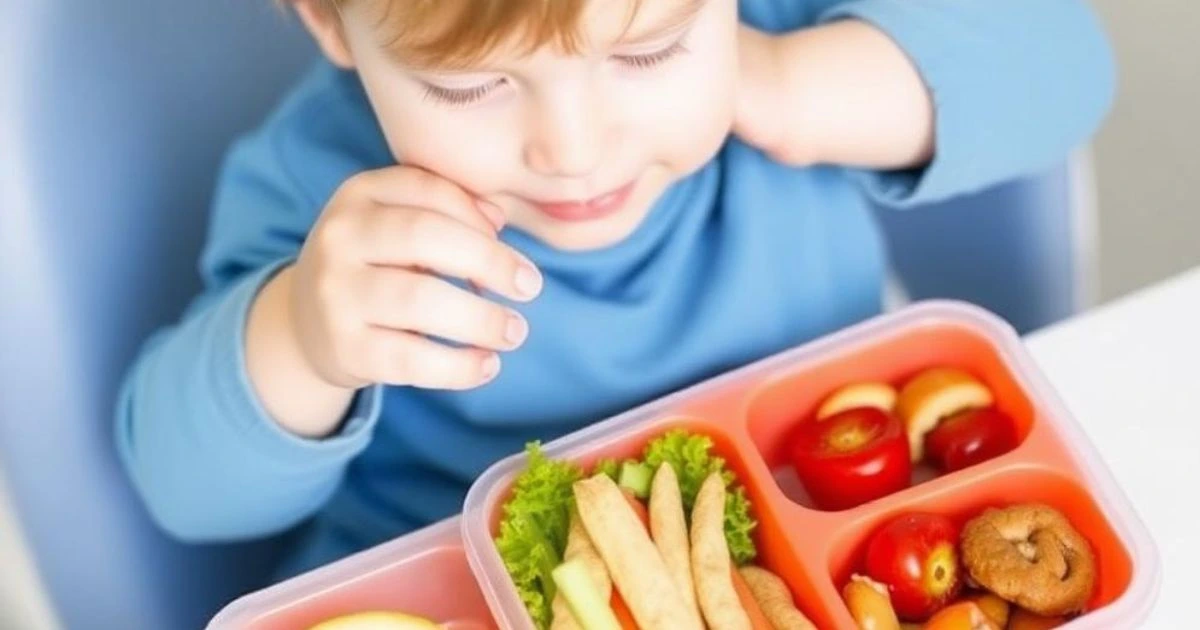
<point x="182" y="514"/>
<point x="172" y="508"/>
<point x="168" y="507"/>
<point x="181" y="523"/>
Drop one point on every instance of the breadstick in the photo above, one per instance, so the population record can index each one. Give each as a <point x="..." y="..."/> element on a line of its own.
<point x="711" y="564"/>
<point x="775" y="599"/>
<point x="636" y="567"/>
<point x="668" y="527"/>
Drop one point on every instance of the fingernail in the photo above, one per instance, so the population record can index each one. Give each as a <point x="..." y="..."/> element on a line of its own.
<point x="490" y="367"/>
<point x="493" y="213"/>
<point x="527" y="280"/>
<point x="515" y="329"/>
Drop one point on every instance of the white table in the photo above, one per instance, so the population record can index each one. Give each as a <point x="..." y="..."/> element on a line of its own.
<point x="1130" y="374"/>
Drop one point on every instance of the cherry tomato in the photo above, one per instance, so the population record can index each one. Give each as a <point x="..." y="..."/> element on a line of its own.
<point x="970" y="437"/>
<point x="916" y="556"/>
<point x="851" y="457"/>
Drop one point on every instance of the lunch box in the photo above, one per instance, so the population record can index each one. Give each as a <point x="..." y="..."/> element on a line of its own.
<point x="451" y="572"/>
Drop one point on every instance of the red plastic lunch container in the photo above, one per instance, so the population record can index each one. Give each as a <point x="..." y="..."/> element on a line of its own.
<point x="452" y="573"/>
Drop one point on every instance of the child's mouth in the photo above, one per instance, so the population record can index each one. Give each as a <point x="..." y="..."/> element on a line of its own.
<point x="588" y="209"/>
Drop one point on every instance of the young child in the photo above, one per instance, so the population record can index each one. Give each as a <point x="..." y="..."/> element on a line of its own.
<point x="483" y="222"/>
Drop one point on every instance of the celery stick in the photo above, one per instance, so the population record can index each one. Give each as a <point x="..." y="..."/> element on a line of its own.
<point x="636" y="476"/>
<point x="575" y="585"/>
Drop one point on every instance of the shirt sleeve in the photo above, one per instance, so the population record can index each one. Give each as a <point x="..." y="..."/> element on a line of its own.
<point x="1016" y="86"/>
<point x="205" y="457"/>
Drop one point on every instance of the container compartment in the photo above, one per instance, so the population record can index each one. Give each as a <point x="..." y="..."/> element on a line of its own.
<point x="424" y="574"/>
<point x="627" y="437"/>
<point x="792" y="396"/>
<point x="998" y="488"/>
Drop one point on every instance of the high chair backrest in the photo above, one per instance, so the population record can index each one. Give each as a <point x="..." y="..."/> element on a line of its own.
<point x="1026" y="249"/>
<point x="113" y="117"/>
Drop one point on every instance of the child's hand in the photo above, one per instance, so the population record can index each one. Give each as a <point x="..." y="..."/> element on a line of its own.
<point x="365" y="295"/>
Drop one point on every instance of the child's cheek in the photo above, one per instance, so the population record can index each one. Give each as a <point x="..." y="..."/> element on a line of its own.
<point x="697" y="105"/>
<point x="469" y="147"/>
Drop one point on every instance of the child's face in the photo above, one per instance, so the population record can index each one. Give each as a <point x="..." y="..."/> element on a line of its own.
<point x="574" y="147"/>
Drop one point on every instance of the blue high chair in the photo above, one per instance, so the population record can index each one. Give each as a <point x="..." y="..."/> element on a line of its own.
<point x="113" y="117"/>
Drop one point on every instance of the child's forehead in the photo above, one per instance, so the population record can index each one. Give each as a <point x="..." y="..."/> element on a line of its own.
<point x="449" y="34"/>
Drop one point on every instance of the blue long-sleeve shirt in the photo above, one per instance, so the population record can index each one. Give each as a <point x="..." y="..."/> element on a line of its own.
<point x="741" y="259"/>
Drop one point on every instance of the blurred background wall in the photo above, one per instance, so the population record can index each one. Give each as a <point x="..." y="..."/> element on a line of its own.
<point x="1147" y="160"/>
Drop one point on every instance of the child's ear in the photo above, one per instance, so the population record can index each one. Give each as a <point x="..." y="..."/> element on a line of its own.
<point x="325" y="25"/>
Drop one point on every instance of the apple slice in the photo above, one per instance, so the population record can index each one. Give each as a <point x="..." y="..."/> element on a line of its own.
<point x="933" y="395"/>
<point x="870" y="394"/>
<point x="377" y="620"/>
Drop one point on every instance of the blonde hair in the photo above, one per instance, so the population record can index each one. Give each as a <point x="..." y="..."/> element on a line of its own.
<point x="459" y="33"/>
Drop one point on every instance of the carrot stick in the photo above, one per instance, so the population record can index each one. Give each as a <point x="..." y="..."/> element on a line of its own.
<point x="621" y="610"/>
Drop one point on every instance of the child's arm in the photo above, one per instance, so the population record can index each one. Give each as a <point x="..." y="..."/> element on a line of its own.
<point x="205" y="456"/>
<point x="320" y="282"/>
<point x="930" y="97"/>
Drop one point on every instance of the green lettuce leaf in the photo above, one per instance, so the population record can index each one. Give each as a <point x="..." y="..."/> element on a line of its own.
<point x="691" y="457"/>
<point x="535" y="520"/>
<point x="533" y="529"/>
<point x="610" y="467"/>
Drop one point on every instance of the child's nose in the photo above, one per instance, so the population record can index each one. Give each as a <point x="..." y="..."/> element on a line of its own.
<point x="566" y="140"/>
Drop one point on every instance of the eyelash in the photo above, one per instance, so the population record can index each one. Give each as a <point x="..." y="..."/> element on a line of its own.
<point x="650" y="60"/>
<point x="460" y="98"/>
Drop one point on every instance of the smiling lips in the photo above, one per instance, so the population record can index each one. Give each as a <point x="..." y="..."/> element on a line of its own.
<point x="586" y="210"/>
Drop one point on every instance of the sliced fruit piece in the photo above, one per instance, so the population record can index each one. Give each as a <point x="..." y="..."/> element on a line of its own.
<point x="870" y="604"/>
<point x="932" y="395"/>
<point x="961" y="616"/>
<point x="876" y="395"/>
<point x="993" y="606"/>
<point x="377" y="620"/>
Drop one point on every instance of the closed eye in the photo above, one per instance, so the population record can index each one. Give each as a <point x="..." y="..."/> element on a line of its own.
<point x="650" y="60"/>
<point x="461" y="96"/>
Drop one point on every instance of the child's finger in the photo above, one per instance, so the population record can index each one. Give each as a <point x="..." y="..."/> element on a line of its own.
<point x="396" y="357"/>
<point x="407" y="300"/>
<point x="414" y="187"/>
<point x="406" y="237"/>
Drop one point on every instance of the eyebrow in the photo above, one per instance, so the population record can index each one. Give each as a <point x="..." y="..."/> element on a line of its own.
<point x="677" y="19"/>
